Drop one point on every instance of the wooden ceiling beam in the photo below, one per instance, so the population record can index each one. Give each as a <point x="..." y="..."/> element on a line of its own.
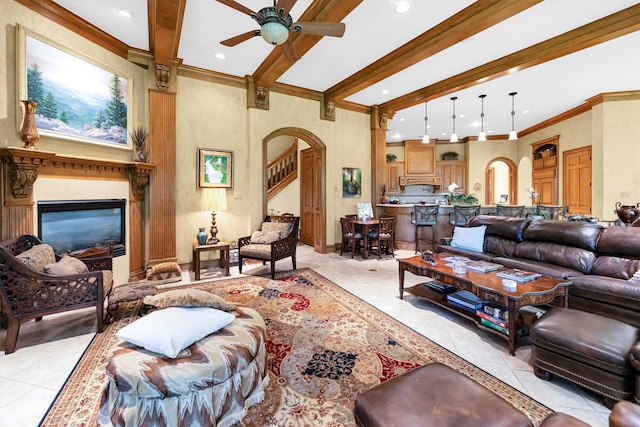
<point x="278" y="62"/>
<point x="608" y="28"/>
<point x="165" y="25"/>
<point x="62" y="16"/>
<point x="470" y="21"/>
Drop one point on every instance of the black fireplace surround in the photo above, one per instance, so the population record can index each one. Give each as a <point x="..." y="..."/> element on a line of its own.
<point x="81" y="224"/>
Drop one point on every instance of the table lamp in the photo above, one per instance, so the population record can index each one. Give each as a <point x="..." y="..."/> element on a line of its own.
<point x="214" y="200"/>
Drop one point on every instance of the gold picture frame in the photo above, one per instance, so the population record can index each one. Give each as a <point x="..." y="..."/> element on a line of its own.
<point x="215" y="168"/>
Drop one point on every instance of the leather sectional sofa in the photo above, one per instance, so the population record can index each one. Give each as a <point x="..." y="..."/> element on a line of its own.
<point x="598" y="261"/>
<point x="595" y="342"/>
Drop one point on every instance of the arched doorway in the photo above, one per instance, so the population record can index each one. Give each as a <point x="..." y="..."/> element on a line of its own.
<point x="501" y="178"/>
<point x="312" y="218"/>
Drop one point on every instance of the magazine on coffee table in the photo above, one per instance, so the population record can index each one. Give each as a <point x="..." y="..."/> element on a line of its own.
<point x="450" y="259"/>
<point x="483" y="266"/>
<point x="520" y="276"/>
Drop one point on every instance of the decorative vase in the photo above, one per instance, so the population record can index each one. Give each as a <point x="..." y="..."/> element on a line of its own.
<point x="202" y="236"/>
<point x="29" y="132"/>
<point x="139" y="155"/>
<point x="627" y="213"/>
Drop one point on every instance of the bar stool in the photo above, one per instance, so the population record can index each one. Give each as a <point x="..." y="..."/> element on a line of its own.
<point x="510" y="210"/>
<point x="425" y="216"/>
<point x="462" y="214"/>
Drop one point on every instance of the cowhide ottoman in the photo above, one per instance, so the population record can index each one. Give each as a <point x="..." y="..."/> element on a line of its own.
<point x="211" y="383"/>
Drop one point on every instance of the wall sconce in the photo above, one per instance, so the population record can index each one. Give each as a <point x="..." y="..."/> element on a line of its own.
<point x="454" y="137"/>
<point x="214" y="200"/>
<point x="482" y="136"/>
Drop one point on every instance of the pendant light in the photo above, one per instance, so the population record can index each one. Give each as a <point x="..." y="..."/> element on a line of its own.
<point x="454" y="137"/>
<point x="425" y="138"/>
<point x="482" y="136"/>
<point x="513" y="135"/>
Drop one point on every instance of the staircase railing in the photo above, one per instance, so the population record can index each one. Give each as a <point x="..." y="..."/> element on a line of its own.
<point x="282" y="170"/>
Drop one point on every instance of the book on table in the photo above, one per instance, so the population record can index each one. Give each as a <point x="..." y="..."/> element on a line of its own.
<point x="466" y="299"/>
<point x="451" y="259"/>
<point x="520" y="276"/>
<point x="489" y="318"/>
<point x="483" y="266"/>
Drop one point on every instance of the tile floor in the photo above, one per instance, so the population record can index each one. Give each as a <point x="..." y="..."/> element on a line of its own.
<point x="48" y="350"/>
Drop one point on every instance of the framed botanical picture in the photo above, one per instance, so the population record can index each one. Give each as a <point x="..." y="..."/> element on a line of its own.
<point x="77" y="98"/>
<point x="351" y="182"/>
<point x="215" y="168"/>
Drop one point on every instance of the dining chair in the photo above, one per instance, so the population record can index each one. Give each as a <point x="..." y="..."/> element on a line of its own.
<point x="462" y="214"/>
<point x="424" y="216"/>
<point x="350" y="237"/>
<point x="510" y="210"/>
<point x="383" y="236"/>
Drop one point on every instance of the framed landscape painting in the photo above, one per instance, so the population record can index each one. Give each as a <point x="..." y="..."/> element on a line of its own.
<point x="77" y="98"/>
<point x="215" y="168"/>
<point x="351" y="182"/>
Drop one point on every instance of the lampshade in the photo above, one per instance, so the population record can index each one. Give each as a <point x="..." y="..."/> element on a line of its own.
<point x="454" y="136"/>
<point x="513" y="135"/>
<point x="274" y="33"/>
<point x="425" y="138"/>
<point x="214" y="199"/>
<point x="482" y="136"/>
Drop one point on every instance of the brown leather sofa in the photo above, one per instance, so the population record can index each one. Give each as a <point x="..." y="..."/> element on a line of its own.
<point x="598" y="261"/>
<point x="592" y="342"/>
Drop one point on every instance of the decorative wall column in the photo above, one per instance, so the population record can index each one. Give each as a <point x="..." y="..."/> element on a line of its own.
<point x="138" y="180"/>
<point x="162" y="152"/>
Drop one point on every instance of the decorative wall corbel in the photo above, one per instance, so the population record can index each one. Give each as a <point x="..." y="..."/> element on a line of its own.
<point x="327" y="110"/>
<point x="21" y="171"/>
<point x="163" y="73"/>
<point x="257" y="96"/>
<point x="21" y="179"/>
<point x="139" y="178"/>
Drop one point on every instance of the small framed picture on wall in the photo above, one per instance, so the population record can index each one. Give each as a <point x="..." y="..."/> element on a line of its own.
<point x="215" y="168"/>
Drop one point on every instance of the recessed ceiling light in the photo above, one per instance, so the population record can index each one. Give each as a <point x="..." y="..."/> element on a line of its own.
<point x="525" y="112"/>
<point x="402" y="119"/>
<point x="125" y="12"/>
<point x="384" y="91"/>
<point x="402" y="7"/>
<point x="220" y="55"/>
<point x="462" y="115"/>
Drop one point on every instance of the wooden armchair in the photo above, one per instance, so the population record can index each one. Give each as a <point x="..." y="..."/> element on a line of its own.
<point x="28" y="292"/>
<point x="262" y="246"/>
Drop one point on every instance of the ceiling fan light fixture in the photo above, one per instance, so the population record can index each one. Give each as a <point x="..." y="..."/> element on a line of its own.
<point x="274" y="33"/>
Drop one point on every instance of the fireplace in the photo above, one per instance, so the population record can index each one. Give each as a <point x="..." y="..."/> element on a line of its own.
<point x="81" y="224"/>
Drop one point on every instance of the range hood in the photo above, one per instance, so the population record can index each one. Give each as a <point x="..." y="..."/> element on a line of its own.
<point x="436" y="181"/>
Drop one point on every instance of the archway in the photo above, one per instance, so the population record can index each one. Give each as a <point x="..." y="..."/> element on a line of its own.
<point x="319" y="218"/>
<point x="510" y="176"/>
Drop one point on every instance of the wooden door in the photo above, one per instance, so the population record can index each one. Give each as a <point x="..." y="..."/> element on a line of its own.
<point x="309" y="196"/>
<point x="577" y="180"/>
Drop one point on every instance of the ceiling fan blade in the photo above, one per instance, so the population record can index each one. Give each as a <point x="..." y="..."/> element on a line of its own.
<point x="286" y="5"/>
<point x="240" y="38"/>
<point x="290" y="51"/>
<point x="237" y="6"/>
<point x="333" y="29"/>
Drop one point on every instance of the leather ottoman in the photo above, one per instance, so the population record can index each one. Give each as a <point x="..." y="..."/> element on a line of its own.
<point x="634" y="357"/>
<point x="587" y="349"/>
<point x="434" y="395"/>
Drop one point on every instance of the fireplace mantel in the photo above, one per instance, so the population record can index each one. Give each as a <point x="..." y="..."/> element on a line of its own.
<point x="21" y="168"/>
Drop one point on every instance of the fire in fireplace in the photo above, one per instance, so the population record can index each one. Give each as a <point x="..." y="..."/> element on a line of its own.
<point x="81" y="224"/>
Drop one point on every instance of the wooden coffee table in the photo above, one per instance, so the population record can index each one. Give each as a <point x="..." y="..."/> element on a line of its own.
<point x="486" y="286"/>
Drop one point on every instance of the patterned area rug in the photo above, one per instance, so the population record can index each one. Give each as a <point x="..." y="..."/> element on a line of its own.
<point x="325" y="346"/>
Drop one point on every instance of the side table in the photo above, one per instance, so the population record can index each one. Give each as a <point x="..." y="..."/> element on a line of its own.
<point x="223" y="247"/>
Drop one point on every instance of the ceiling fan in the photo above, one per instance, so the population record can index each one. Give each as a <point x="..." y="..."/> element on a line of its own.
<point x="276" y="23"/>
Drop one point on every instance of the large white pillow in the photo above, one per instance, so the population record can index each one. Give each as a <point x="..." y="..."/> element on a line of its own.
<point x="470" y="238"/>
<point x="170" y="330"/>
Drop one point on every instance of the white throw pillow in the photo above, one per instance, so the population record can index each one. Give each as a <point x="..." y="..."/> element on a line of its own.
<point x="470" y="238"/>
<point x="170" y="330"/>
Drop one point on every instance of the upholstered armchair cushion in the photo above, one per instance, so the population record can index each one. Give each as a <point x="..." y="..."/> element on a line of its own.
<point x="66" y="266"/>
<point x="256" y="251"/>
<point x="284" y="228"/>
<point x="265" y="236"/>
<point x="38" y="257"/>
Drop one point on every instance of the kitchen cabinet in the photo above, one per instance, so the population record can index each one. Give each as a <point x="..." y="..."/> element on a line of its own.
<point x="419" y="158"/>
<point x="544" y="176"/>
<point x="453" y="171"/>
<point x="395" y="172"/>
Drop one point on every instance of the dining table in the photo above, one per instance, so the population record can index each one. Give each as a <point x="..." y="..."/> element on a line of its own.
<point x="366" y="227"/>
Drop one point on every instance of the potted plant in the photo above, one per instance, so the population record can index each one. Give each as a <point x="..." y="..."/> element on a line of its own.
<point x="450" y="155"/>
<point x="391" y="157"/>
<point x="459" y="198"/>
<point x="139" y="137"/>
